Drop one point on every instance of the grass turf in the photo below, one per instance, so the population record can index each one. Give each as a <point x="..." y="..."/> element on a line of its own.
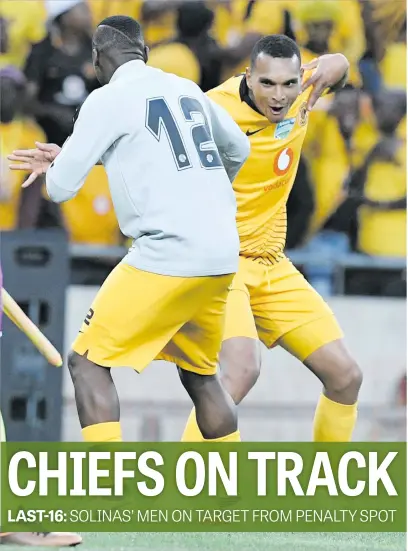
<point x="289" y="541"/>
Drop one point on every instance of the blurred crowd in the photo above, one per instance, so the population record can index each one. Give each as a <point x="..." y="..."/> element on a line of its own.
<point x="351" y="185"/>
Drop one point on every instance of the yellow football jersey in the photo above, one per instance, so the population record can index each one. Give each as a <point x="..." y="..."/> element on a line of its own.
<point x="19" y="134"/>
<point x="263" y="184"/>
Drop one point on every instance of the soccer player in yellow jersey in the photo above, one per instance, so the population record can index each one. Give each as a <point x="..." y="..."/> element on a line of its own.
<point x="270" y="300"/>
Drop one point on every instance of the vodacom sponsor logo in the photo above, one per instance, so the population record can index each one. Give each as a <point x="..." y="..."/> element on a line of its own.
<point x="283" y="161"/>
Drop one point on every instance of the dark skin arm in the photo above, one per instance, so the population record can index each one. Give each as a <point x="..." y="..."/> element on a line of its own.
<point x="398" y="204"/>
<point x="35" y="108"/>
<point x="30" y="205"/>
<point x="234" y="55"/>
<point x="340" y="84"/>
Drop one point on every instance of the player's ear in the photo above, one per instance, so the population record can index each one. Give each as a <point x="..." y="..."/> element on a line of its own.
<point x="95" y="57"/>
<point x="248" y="77"/>
<point x="146" y="53"/>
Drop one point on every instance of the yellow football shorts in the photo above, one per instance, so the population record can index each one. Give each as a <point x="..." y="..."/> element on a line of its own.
<point x="139" y="316"/>
<point x="276" y="303"/>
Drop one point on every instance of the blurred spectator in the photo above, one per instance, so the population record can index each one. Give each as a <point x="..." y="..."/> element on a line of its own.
<point x="328" y="27"/>
<point x="16" y="132"/>
<point x="382" y="181"/>
<point x="260" y="18"/>
<point x="393" y="66"/>
<point x="385" y="29"/>
<point x="177" y="58"/>
<point x="159" y="20"/>
<point x="229" y="21"/>
<point x="337" y="144"/>
<point x="59" y="69"/>
<point x="193" y="53"/>
<point x="22" y="24"/>
<point x="101" y="9"/>
<point x="90" y="217"/>
<point x="351" y="181"/>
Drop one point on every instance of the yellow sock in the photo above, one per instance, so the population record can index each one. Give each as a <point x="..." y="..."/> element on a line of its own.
<point x="103" y="432"/>
<point x="334" y="422"/>
<point x="234" y="437"/>
<point x="193" y="434"/>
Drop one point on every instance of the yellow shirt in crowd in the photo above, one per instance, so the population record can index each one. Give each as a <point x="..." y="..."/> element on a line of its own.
<point x="382" y="232"/>
<point x="176" y="58"/>
<point x="89" y="217"/>
<point x="23" y="24"/>
<point x="393" y="67"/>
<point x="330" y="163"/>
<point x="106" y="8"/>
<point x="19" y="134"/>
<point x="229" y="20"/>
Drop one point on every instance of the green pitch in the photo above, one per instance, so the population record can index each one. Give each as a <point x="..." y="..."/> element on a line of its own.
<point x="290" y="541"/>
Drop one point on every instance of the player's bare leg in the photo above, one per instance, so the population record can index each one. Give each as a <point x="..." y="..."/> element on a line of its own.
<point x="96" y="400"/>
<point x="336" y="412"/>
<point x="240" y="362"/>
<point x="99" y="411"/>
<point x="215" y="409"/>
<point x="338" y="372"/>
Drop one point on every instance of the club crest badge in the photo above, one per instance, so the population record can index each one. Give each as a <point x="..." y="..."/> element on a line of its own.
<point x="303" y="114"/>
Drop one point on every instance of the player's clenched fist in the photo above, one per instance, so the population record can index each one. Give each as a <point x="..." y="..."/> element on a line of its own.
<point x="37" y="161"/>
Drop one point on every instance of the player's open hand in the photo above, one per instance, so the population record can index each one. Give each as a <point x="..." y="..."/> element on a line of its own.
<point x="36" y="161"/>
<point x="329" y="70"/>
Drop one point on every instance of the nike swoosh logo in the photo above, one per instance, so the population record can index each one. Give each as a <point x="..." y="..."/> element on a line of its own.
<point x="248" y="133"/>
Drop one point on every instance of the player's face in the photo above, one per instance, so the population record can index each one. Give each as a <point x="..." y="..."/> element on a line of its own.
<point x="275" y="84"/>
<point x="346" y="108"/>
<point x="319" y="34"/>
<point x="79" y="18"/>
<point x="388" y="111"/>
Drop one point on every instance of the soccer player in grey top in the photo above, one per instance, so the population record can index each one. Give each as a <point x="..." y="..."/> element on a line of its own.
<point x="170" y="154"/>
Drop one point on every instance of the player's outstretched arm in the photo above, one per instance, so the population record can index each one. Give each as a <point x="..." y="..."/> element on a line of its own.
<point x="330" y="73"/>
<point x="232" y="144"/>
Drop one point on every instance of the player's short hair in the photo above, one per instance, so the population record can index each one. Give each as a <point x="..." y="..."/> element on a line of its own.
<point x="275" y="45"/>
<point x="119" y="32"/>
